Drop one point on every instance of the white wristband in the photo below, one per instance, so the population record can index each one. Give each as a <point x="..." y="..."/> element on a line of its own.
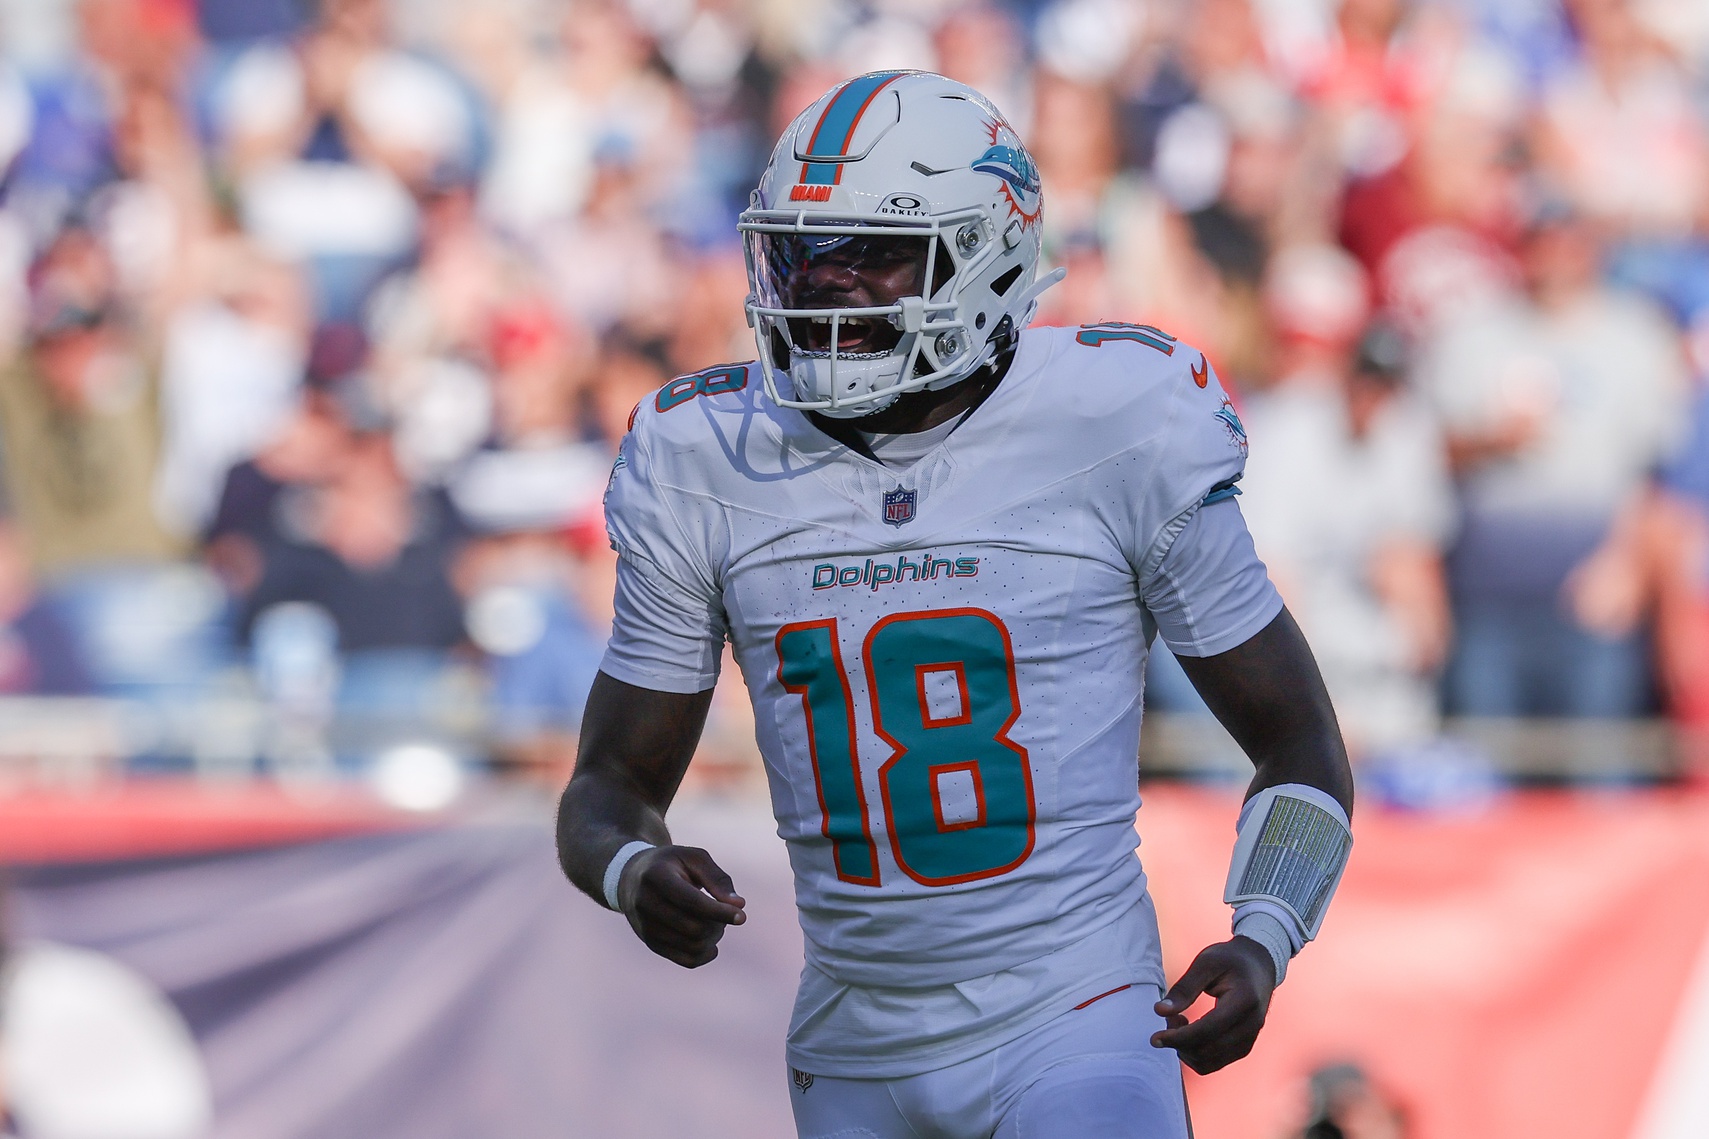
<point x="1268" y="931"/>
<point x="614" y="870"/>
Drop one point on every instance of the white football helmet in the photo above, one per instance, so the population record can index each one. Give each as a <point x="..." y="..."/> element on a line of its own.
<point x="920" y="177"/>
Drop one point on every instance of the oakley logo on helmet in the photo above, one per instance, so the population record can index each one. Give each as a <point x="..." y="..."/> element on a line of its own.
<point x="907" y="205"/>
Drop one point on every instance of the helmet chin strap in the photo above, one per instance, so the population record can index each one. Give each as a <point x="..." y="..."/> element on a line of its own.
<point x="1029" y="299"/>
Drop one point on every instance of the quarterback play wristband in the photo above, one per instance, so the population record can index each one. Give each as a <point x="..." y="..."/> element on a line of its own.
<point x="1292" y="848"/>
<point x="614" y="870"/>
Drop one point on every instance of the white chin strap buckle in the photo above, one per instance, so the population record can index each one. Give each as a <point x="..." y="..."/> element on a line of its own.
<point x="913" y="313"/>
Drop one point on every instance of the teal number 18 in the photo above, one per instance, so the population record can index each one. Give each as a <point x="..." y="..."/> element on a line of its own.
<point x="964" y="652"/>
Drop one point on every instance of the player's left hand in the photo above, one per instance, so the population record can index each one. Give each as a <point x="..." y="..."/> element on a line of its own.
<point x="1239" y="974"/>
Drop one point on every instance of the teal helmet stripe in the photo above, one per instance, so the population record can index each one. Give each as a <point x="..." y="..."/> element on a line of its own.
<point x="837" y="125"/>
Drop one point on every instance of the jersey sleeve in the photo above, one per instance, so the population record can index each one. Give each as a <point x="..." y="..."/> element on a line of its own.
<point x="1210" y="592"/>
<point x="1169" y="493"/>
<point x="1196" y="456"/>
<point x="669" y="626"/>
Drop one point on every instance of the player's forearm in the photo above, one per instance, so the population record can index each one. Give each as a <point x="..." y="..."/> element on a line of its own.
<point x="1310" y="752"/>
<point x="635" y="747"/>
<point x="1270" y="696"/>
<point x="597" y="817"/>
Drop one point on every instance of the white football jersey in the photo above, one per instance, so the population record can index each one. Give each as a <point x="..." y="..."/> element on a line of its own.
<point x="946" y="661"/>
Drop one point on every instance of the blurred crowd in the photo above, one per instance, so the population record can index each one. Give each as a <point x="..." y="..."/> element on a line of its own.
<point x="322" y="320"/>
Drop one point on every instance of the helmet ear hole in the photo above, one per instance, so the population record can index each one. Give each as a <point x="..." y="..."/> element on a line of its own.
<point x="1003" y="284"/>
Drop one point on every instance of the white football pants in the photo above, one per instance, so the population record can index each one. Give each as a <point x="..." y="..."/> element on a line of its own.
<point x="1089" y="1074"/>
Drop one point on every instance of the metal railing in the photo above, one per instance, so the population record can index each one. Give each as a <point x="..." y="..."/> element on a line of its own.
<point x="72" y="740"/>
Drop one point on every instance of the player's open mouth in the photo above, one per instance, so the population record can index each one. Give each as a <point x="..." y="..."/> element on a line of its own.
<point x="854" y="334"/>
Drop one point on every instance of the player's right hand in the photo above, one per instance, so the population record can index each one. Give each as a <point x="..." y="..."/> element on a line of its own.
<point x="679" y="902"/>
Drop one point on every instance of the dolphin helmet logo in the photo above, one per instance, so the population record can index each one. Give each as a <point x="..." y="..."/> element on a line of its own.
<point x="1014" y="167"/>
<point x="1011" y="165"/>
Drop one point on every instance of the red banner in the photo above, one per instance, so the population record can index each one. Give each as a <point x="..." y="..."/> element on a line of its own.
<point x="1511" y="973"/>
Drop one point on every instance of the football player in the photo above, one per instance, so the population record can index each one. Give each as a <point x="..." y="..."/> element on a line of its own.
<point x="941" y="543"/>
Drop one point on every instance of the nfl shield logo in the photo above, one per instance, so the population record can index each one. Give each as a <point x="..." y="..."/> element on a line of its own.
<point x="898" y="506"/>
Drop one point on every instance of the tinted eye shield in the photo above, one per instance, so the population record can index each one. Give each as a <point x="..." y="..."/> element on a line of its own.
<point x="789" y="254"/>
<point x="781" y="244"/>
<point x="831" y="275"/>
